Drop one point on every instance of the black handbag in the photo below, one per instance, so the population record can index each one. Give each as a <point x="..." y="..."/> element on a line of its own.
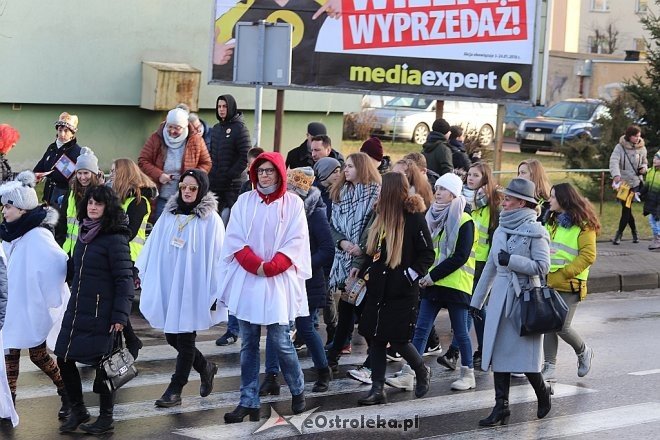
<point x="118" y="367"/>
<point x="542" y="310"/>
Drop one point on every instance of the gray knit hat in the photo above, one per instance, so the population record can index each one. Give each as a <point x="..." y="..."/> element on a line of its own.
<point x="325" y="167"/>
<point x="87" y="161"/>
<point x="20" y="192"/>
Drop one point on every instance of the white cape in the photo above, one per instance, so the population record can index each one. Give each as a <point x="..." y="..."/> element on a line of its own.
<point x="267" y="229"/>
<point x="180" y="284"/>
<point x="38" y="294"/>
<point x="7" y="410"/>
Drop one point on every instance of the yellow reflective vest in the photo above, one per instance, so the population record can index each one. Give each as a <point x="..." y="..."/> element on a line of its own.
<point x="463" y="278"/>
<point x="72" y="225"/>
<point x="564" y="248"/>
<point x="481" y="219"/>
<point x="137" y="243"/>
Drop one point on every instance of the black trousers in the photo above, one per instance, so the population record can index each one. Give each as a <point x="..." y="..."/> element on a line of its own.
<point x="627" y="218"/>
<point x="378" y="351"/>
<point x="188" y="357"/>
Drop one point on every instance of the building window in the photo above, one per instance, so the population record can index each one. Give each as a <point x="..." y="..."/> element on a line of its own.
<point x="600" y="5"/>
<point x="595" y="45"/>
<point x="642" y="6"/>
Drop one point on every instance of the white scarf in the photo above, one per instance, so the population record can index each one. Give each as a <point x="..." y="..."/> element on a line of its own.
<point x="176" y="142"/>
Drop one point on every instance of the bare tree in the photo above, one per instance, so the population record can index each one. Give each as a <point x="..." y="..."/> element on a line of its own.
<point x="605" y="40"/>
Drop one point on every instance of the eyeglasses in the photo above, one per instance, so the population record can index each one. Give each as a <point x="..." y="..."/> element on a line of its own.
<point x="266" y="171"/>
<point x="185" y="186"/>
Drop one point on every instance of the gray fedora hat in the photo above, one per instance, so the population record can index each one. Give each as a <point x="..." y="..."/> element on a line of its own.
<point x="521" y="189"/>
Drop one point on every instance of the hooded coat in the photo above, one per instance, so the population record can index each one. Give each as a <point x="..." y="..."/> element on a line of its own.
<point x="438" y="153"/>
<point x="390" y="310"/>
<point x="629" y="161"/>
<point x="230" y="142"/>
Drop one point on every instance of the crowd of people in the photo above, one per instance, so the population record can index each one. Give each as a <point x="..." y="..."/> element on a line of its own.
<point x="246" y="237"/>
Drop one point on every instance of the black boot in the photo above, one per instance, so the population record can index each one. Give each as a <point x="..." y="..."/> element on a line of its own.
<point x="323" y="380"/>
<point x="237" y="415"/>
<point x="423" y="380"/>
<point x="501" y="412"/>
<point x="376" y="396"/>
<point x="78" y="415"/>
<point x="104" y="422"/>
<point x="635" y="236"/>
<point x="543" y="392"/>
<point x="298" y="403"/>
<point x="333" y="359"/>
<point x="65" y="409"/>
<point x="330" y="330"/>
<point x="206" y="387"/>
<point x="617" y="238"/>
<point x="171" y="397"/>
<point x="449" y="359"/>
<point x="270" y="385"/>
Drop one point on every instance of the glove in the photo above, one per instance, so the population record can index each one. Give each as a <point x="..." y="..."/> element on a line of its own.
<point x="425" y="281"/>
<point x="503" y="258"/>
<point x="475" y="313"/>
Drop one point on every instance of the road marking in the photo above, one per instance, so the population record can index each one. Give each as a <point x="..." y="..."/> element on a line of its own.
<point x="568" y="426"/>
<point x="427" y="407"/>
<point x="645" y="372"/>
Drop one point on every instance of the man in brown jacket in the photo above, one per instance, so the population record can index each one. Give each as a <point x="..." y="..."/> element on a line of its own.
<point x="173" y="148"/>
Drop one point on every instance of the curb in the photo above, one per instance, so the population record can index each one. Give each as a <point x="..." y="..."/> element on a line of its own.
<point x="627" y="282"/>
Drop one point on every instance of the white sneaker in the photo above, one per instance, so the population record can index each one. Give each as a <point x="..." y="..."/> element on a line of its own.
<point x="548" y="372"/>
<point x="584" y="361"/>
<point x="466" y="381"/>
<point x="518" y="375"/>
<point x="363" y="374"/>
<point x="432" y="350"/>
<point x="405" y="379"/>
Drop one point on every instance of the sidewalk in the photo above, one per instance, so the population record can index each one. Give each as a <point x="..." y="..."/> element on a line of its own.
<point x="625" y="267"/>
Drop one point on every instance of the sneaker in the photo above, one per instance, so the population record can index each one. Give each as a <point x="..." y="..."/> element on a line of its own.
<point x="393" y="356"/>
<point x="362" y="373"/>
<point x="518" y="375"/>
<point x="476" y="359"/>
<point x="347" y="349"/>
<point x="226" y="339"/>
<point x="432" y="350"/>
<point x="299" y="344"/>
<point x="584" y="361"/>
<point x="466" y="381"/>
<point x="548" y="372"/>
<point x="404" y="379"/>
<point x="449" y="359"/>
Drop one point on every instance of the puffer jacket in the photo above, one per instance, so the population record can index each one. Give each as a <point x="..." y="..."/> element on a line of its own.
<point x="101" y="294"/>
<point x="321" y="246"/>
<point x="437" y="152"/>
<point x="629" y="168"/>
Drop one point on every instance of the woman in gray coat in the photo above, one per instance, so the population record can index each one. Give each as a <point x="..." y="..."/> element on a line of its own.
<point x="519" y="257"/>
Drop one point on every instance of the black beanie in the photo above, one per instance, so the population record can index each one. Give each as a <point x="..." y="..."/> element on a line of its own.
<point x="441" y="126"/>
<point x="202" y="180"/>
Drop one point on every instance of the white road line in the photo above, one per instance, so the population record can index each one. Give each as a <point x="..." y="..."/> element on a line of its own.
<point x="645" y="372"/>
<point x="31" y="392"/>
<point x="568" y="426"/>
<point x="427" y="407"/>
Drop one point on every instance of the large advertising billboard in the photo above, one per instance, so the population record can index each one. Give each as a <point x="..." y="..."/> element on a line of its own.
<point x="455" y="48"/>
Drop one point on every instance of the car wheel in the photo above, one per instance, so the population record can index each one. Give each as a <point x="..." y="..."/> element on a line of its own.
<point x="527" y="150"/>
<point x="420" y="133"/>
<point x="486" y="135"/>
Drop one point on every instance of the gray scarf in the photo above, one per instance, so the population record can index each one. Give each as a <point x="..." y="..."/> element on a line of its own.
<point x="445" y="217"/>
<point x="512" y="222"/>
<point x="267" y="190"/>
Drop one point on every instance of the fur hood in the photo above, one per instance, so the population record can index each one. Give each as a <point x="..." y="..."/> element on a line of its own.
<point x="313" y="201"/>
<point x="414" y="203"/>
<point x="204" y="208"/>
<point x="629" y="146"/>
<point x="52" y="216"/>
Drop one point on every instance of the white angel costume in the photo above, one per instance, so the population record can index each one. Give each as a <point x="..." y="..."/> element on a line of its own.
<point x="7" y="409"/>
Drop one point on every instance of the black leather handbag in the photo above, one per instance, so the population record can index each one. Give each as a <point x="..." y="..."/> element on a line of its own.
<point x="542" y="310"/>
<point x="118" y="367"/>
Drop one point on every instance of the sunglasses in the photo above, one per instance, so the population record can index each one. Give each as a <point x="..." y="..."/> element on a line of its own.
<point x="192" y="188"/>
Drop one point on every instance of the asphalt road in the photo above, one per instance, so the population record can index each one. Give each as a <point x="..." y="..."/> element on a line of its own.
<point x="620" y="398"/>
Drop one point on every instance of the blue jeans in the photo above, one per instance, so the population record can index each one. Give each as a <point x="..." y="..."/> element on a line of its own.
<point x="232" y="325"/>
<point x="278" y="337"/>
<point x="478" y="329"/>
<point x="655" y="225"/>
<point x="305" y="330"/>
<point x="428" y="311"/>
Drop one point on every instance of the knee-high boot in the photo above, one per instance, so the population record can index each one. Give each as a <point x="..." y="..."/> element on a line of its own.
<point x="104" y="422"/>
<point x="501" y="412"/>
<point x="543" y="392"/>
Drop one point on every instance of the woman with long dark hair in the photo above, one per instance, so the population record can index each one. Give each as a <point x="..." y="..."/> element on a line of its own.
<point x="101" y="296"/>
<point x="573" y="226"/>
<point x="399" y="253"/>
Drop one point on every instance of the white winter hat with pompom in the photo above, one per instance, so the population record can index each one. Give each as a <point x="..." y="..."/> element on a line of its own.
<point x="20" y="192"/>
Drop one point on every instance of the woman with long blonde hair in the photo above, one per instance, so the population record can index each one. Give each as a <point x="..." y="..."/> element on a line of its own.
<point x="399" y="253"/>
<point x="532" y="170"/>
<point x="418" y="183"/>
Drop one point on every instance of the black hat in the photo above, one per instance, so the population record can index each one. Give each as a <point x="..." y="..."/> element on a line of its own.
<point x="521" y="189"/>
<point x="316" y="128"/>
<point x="441" y="126"/>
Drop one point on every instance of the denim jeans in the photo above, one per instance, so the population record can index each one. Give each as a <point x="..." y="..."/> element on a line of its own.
<point x="278" y="337"/>
<point x="655" y="225"/>
<point x="428" y="311"/>
<point x="305" y="330"/>
<point x="478" y="329"/>
<point x="232" y="325"/>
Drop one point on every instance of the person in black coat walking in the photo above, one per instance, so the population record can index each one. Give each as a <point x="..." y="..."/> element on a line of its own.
<point x="399" y="253"/>
<point x="100" y="303"/>
<point x="230" y="142"/>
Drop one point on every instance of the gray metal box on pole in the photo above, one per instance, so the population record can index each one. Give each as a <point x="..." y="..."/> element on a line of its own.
<point x="274" y="55"/>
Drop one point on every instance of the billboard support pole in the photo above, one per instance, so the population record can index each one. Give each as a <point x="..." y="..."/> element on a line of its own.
<point x="279" y="118"/>
<point x="499" y="138"/>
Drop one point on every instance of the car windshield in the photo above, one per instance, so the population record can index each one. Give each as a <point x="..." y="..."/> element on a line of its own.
<point x="581" y="111"/>
<point x="418" y="103"/>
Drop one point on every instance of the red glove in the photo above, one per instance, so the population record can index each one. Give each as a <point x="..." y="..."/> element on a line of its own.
<point x="277" y="265"/>
<point x="248" y="260"/>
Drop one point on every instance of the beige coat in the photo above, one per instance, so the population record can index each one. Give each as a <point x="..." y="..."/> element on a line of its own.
<point x="628" y="168"/>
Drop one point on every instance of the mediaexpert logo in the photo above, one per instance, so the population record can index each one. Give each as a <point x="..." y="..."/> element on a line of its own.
<point x="308" y="422"/>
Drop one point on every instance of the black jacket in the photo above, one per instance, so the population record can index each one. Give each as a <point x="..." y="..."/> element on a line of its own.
<point x="300" y="156"/>
<point x="50" y="158"/>
<point x="101" y="294"/>
<point x="459" y="157"/>
<point x="437" y="152"/>
<point x="390" y="312"/>
<point x="230" y="142"/>
<point x="322" y="249"/>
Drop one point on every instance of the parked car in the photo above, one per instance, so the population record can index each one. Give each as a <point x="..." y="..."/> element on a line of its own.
<point x="565" y="121"/>
<point x="411" y="118"/>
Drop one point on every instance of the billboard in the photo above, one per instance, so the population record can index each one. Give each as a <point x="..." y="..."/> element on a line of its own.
<point x="456" y="48"/>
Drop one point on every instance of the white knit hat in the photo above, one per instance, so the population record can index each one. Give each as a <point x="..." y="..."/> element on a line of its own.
<point x="451" y="182"/>
<point x="87" y="161"/>
<point x="20" y="192"/>
<point x="177" y="116"/>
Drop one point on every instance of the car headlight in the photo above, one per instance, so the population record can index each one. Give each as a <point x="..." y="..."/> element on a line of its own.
<point x="521" y="126"/>
<point x="562" y="129"/>
<point x="567" y="128"/>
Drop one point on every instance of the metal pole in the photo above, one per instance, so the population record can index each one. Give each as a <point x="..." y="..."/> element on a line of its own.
<point x="499" y="139"/>
<point x="279" y="118"/>
<point x="602" y="191"/>
<point x="259" y="89"/>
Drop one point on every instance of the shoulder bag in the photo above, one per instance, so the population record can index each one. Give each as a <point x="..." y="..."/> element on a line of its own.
<point x="542" y="310"/>
<point x="118" y="367"/>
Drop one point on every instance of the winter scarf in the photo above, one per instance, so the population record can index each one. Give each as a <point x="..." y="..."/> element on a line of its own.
<point x="176" y="142"/>
<point x="28" y="221"/>
<point x="513" y="224"/>
<point x="445" y="217"/>
<point x="349" y="217"/>
<point x="89" y="230"/>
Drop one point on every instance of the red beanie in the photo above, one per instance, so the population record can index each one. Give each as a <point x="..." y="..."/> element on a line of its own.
<point x="373" y="148"/>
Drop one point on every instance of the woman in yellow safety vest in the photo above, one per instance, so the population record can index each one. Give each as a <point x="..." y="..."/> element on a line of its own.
<point x="573" y="226"/>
